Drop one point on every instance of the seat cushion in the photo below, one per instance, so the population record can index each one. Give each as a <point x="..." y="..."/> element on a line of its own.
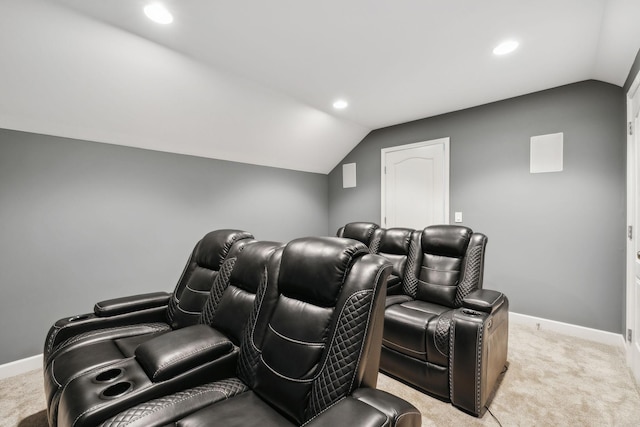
<point x="410" y="328"/>
<point x="245" y="409"/>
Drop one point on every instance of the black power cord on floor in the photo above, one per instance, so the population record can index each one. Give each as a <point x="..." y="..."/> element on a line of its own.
<point x="487" y="407"/>
<point x="494" y="417"/>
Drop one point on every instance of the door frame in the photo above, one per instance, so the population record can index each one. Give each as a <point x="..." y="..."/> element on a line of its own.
<point x="445" y="142"/>
<point x="633" y="168"/>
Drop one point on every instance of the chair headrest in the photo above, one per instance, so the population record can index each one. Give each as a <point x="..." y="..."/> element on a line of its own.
<point x="361" y="231"/>
<point x="446" y="240"/>
<point x="313" y="269"/>
<point x="395" y="241"/>
<point x="250" y="266"/>
<point x="214" y="247"/>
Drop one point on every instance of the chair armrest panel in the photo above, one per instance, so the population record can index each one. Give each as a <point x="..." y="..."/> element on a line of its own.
<point x="131" y="303"/>
<point x="176" y="352"/>
<point x="399" y="412"/>
<point x="349" y="412"/>
<point x="484" y="300"/>
<point x="478" y="355"/>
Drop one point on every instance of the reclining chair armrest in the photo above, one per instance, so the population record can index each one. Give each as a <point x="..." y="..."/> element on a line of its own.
<point x="368" y="407"/>
<point x="484" y="300"/>
<point x="478" y="349"/>
<point x="137" y="309"/>
<point x="131" y="303"/>
<point x="399" y="412"/>
<point x="176" y="352"/>
<point x="349" y="411"/>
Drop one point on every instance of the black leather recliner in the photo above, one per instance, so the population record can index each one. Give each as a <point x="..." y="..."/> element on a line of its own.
<point x="444" y="334"/>
<point x="152" y="312"/>
<point x="77" y="344"/>
<point x="309" y="355"/>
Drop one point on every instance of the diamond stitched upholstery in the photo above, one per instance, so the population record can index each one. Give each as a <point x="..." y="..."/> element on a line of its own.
<point x="249" y="353"/>
<point x="207" y="394"/>
<point x="220" y="284"/>
<point x="441" y="336"/>
<point x="336" y="377"/>
<point x="472" y="278"/>
<point x="410" y="283"/>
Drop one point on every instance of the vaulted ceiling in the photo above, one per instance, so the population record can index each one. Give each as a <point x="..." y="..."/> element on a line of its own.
<point x="254" y="81"/>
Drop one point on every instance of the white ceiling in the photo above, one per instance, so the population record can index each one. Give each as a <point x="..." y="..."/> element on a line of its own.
<point x="253" y="81"/>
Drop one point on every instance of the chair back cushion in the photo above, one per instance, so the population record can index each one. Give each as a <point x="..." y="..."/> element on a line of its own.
<point x="198" y="276"/>
<point x="307" y="342"/>
<point x="233" y="293"/>
<point x="443" y="251"/>
<point x="394" y="245"/>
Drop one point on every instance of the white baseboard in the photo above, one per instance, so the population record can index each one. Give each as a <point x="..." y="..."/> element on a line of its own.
<point x="595" y="335"/>
<point x="20" y="366"/>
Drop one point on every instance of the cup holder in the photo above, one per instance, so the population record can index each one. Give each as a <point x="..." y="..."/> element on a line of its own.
<point x="470" y="312"/>
<point x="78" y="317"/>
<point x="116" y="390"/>
<point x="108" y="375"/>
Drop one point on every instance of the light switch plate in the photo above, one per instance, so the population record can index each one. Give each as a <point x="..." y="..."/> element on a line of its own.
<point x="457" y="217"/>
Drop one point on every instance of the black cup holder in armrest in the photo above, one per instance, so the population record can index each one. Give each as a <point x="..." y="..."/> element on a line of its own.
<point x="116" y="390"/>
<point x="108" y="375"/>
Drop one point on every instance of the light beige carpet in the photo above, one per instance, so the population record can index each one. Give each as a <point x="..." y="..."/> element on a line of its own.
<point x="552" y="380"/>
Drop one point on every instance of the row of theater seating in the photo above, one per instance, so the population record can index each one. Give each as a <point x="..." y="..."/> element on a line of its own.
<point x="443" y="333"/>
<point x="255" y="334"/>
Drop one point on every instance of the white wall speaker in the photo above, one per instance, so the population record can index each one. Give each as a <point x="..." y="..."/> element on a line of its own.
<point x="348" y="175"/>
<point x="546" y="153"/>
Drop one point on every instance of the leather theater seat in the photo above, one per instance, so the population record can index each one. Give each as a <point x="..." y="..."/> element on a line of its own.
<point x="117" y="327"/>
<point x="308" y="353"/>
<point x="443" y="333"/>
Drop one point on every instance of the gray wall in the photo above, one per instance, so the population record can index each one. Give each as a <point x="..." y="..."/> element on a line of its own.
<point x="556" y="240"/>
<point x="81" y="222"/>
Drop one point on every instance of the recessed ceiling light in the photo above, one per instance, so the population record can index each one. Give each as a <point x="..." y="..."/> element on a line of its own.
<point x="340" y="104"/>
<point x="505" y="47"/>
<point x="158" y="13"/>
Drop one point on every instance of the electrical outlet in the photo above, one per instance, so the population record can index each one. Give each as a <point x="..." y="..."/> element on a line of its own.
<point x="457" y="217"/>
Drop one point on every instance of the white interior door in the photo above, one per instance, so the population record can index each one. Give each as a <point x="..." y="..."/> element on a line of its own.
<point x="415" y="184"/>
<point x="633" y="258"/>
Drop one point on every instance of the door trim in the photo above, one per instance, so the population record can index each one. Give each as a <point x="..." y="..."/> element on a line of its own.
<point x="632" y="171"/>
<point x="445" y="142"/>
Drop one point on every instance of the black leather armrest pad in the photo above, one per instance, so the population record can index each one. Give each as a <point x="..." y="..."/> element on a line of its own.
<point x="176" y="352"/>
<point x="399" y="412"/>
<point x="349" y="412"/>
<point x="131" y="303"/>
<point x="484" y="300"/>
